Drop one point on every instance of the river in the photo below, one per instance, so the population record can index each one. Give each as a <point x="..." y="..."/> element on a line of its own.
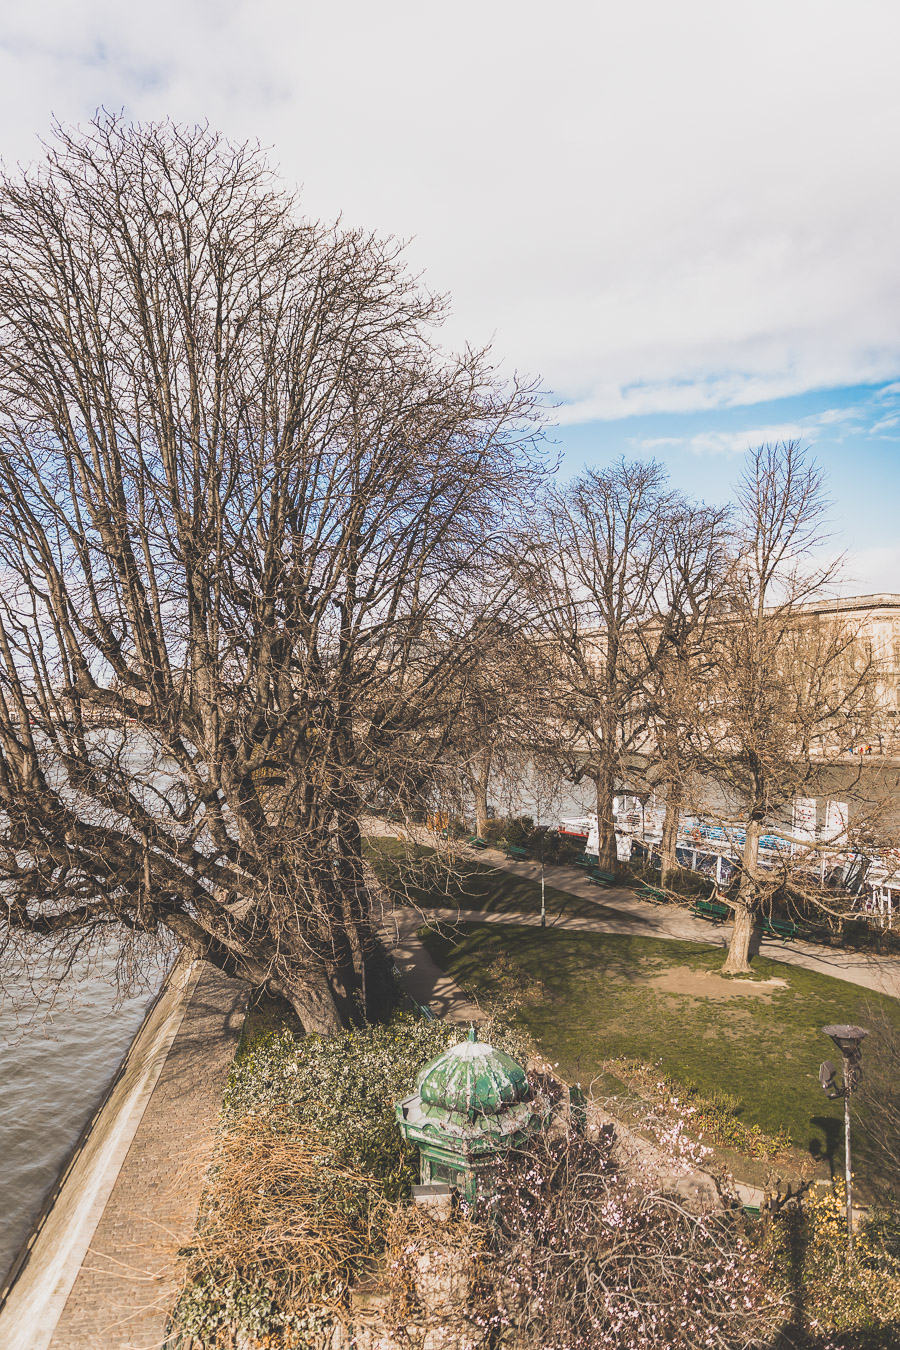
<point x="56" y="1065"/>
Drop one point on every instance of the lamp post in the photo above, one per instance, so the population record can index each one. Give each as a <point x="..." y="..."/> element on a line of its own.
<point x="848" y="1040"/>
<point x="543" y="896"/>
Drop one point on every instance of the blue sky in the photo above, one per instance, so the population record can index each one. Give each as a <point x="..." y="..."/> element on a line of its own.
<point x="682" y="219"/>
<point x="854" y="433"/>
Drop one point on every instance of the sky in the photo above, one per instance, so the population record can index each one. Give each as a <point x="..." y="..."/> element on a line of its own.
<point x="681" y="219"/>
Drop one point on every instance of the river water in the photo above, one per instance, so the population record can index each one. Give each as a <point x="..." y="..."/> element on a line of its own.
<point x="55" y="1065"/>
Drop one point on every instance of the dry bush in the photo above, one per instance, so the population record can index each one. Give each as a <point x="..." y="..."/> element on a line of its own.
<point x="419" y="1246"/>
<point x="584" y="1257"/>
<point x="285" y="1222"/>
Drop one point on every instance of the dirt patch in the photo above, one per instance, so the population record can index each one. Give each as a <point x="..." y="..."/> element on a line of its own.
<point x="706" y="984"/>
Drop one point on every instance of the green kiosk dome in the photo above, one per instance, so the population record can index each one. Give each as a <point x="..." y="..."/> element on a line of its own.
<point x="472" y="1103"/>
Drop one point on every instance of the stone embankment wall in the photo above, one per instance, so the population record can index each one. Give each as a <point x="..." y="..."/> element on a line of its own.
<point x="100" y="1271"/>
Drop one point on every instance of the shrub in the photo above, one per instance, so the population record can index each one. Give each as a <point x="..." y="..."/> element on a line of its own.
<point x="582" y="1255"/>
<point x="556" y="847"/>
<point x="714" y="1116"/>
<point x="308" y="1165"/>
<point x="286" y="1226"/>
<point x="841" y="1300"/>
<point x="343" y="1085"/>
<point x="515" y="830"/>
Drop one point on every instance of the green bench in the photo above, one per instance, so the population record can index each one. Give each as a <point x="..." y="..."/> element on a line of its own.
<point x="476" y="841"/>
<point x="653" y="893"/>
<point x="587" y="860"/>
<point x="780" y="928"/>
<point x="514" y="851"/>
<point x="709" y="910"/>
<point x="598" y="877"/>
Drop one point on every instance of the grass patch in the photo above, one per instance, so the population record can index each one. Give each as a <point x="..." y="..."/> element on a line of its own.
<point x="588" y="998"/>
<point x="418" y="875"/>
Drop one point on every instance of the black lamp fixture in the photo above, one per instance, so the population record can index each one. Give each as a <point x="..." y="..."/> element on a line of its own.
<point x="848" y="1039"/>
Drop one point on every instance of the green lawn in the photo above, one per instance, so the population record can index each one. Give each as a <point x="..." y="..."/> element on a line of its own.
<point x="416" y="874"/>
<point x="587" y="997"/>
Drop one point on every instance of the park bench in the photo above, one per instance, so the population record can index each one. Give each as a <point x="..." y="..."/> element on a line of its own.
<point x="587" y="860"/>
<point x="475" y="841"/>
<point x="782" y="928"/>
<point x="598" y="877"/>
<point x="648" y="892"/>
<point x="514" y="851"/>
<point x="709" y="910"/>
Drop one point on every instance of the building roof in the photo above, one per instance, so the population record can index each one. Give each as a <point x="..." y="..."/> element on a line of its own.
<point x="843" y="604"/>
<point x="473" y="1079"/>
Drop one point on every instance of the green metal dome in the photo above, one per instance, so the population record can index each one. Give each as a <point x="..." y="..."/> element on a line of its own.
<point x="471" y="1079"/>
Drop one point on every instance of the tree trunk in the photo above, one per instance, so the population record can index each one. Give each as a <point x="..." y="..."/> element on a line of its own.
<point x="606" y="846"/>
<point x="670" y="833"/>
<point x="313" y="1002"/>
<point x="738" y="959"/>
<point x="480" y="779"/>
<point x="310" y="993"/>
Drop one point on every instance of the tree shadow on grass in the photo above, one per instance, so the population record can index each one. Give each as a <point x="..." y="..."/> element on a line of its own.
<point x="825" y="1145"/>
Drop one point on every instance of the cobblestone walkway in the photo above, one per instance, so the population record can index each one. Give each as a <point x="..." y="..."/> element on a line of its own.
<point x="124" y="1290"/>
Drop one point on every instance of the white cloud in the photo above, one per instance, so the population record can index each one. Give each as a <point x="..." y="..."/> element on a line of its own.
<point x="653" y="206"/>
<point x="834" y="416"/>
<point x="727" y="442"/>
<point x="884" y="424"/>
<point x="736" y="442"/>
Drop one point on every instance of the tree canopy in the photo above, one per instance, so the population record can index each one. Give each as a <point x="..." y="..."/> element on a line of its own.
<point x="248" y="510"/>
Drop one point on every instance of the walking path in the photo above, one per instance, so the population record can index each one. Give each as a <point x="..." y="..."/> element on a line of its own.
<point x="409" y="920"/>
<point x="100" y="1274"/>
<point x="639" y="918"/>
<point x="871" y="971"/>
<point x="422" y="978"/>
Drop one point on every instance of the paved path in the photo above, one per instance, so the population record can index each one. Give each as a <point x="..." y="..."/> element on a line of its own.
<point x="856" y="970"/>
<point x="871" y="971"/>
<point x="422" y="978"/>
<point x="641" y="918"/>
<point x="101" y="1272"/>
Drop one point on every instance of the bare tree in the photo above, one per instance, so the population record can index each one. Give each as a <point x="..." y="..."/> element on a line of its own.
<point x="622" y="575"/>
<point x="790" y="687"/>
<point x="245" y="505"/>
<point x="679" y="667"/>
<point x="491" y="717"/>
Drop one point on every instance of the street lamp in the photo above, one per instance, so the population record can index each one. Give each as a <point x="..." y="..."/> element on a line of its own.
<point x="848" y="1040"/>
